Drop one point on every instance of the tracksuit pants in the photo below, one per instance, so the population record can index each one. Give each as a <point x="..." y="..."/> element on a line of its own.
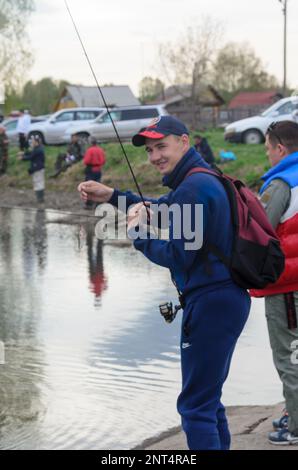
<point x="211" y="326"/>
<point x="284" y="345"/>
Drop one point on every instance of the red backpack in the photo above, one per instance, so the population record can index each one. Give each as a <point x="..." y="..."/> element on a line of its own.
<point x="256" y="256"/>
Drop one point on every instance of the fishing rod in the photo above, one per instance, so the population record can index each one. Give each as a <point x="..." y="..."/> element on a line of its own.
<point x="107" y="108"/>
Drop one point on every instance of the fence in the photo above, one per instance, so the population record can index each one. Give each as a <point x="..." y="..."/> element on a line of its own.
<point x="211" y="116"/>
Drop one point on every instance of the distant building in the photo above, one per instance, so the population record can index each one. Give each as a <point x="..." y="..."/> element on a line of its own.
<point x="204" y="112"/>
<point x="89" y="96"/>
<point x="248" y="104"/>
<point x="251" y="99"/>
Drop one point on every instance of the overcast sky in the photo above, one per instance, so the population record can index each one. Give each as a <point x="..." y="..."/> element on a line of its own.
<point x="122" y="36"/>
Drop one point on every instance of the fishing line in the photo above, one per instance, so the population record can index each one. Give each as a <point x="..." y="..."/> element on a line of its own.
<point x="108" y="111"/>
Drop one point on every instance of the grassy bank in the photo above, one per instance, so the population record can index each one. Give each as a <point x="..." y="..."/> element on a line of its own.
<point x="250" y="165"/>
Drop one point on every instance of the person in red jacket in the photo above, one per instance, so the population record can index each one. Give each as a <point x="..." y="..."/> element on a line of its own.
<point x="94" y="160"/>
<point x="279" y="196"/>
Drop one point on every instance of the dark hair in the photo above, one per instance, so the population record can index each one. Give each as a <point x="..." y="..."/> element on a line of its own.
<point x="197" y="136"/>
<point x="284" y="133"/>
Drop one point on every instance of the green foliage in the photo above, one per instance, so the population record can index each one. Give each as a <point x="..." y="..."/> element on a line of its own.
<point x="40" y="97"/>
<point x="251" y="163"/>
<point x="13" y="101"/>
<point x="150" y="88"/>
<point x="237" y="68"/>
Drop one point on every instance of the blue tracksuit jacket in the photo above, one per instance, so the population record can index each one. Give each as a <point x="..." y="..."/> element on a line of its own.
<point x="216" y="309"/>
<point x="189" y="268"/>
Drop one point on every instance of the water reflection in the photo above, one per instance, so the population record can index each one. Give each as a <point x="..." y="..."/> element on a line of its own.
<point x="90" y="363"/>
<point x="67" y="367"/>
<point x="23" y="248"/>
<point x="35" y="242"/>
<point x="98" y="281"/>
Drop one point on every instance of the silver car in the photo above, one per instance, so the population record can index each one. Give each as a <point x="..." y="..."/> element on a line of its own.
<point x="52" y="130"/>
<point x="128" y="121"/>
<point x="10" y="125"/>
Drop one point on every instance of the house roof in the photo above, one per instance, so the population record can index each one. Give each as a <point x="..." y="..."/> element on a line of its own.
<point x="176" y="93"/>
<point x="117" y="95"/>
<point x="254" y="98"/>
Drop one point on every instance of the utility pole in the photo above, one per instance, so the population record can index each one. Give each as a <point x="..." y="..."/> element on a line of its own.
<point x="285" y="12"/>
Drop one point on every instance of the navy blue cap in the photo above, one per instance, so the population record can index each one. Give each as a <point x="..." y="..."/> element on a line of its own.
<point x="158" y="129"/>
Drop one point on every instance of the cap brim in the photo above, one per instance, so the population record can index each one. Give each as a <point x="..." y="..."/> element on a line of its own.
<point x="140" y="139"/>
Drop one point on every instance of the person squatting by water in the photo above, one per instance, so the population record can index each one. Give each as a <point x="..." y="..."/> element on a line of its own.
<point x="279" y="196"/>
<point x="37" y="167"/>
<point x="215" y="308"/>
<point x="202" y="146"/>
<point x="73" y="155"/>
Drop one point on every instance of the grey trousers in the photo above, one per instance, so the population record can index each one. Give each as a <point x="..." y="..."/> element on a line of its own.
<point x="284" y="345"/>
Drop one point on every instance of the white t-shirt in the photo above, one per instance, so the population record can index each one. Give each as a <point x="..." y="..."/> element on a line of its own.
<point x="24" y="123"/>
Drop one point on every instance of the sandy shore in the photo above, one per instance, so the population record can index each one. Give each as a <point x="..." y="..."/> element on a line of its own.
<point x="249" y="426"/>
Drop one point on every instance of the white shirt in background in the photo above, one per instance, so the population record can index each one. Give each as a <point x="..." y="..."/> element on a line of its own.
<point x="24" y="122"/>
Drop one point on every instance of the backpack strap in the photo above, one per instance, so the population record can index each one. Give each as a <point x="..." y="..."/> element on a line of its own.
<point x="226" y="184"/>
<point x="219" y="254"/>
<point x="215" y="172"/>
<point x="209" y="246"/>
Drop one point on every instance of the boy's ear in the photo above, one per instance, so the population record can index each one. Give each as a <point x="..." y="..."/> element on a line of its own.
<point x="282" y="149"/>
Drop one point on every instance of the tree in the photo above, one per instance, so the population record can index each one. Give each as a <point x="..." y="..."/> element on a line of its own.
<point x="15" y="54"/>
<point x="13" y="101"/>
<point x="150" y="89"/>
<point x="237" y="68"/>
<point x="41" y="96"/>
<point x="190" y="60"/>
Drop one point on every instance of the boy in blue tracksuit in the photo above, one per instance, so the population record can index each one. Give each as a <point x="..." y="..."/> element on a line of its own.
<point x="216" y="309"/>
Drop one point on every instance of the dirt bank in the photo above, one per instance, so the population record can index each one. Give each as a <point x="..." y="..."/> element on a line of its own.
<point x="56" y="200"/>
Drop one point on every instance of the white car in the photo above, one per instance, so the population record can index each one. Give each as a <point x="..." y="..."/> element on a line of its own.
<point x="52" y="130"/>
<point x="10" y="125"/>
<point x="128" y="121"/>
<point x="253" y="130"/>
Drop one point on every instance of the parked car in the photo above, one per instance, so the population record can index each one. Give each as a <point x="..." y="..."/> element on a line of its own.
<point x="253" y="130"/>
<point x="52" y="130"/>
<point x="128" y="121"/>
<point x="10" y="125"/>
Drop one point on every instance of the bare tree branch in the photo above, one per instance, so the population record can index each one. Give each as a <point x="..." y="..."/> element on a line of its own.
<point x="189" y="61"/>
<point x="15" y="54"/>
